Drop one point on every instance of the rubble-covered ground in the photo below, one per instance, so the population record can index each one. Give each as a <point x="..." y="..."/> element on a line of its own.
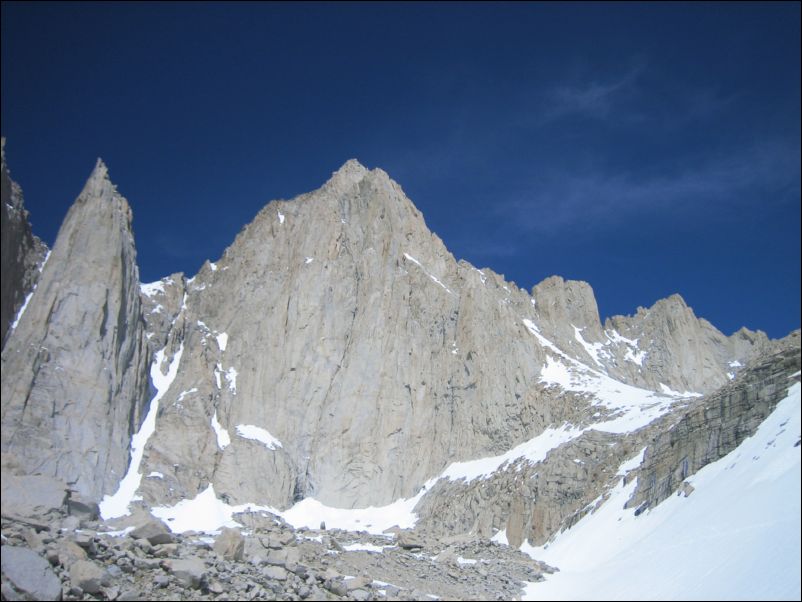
<point x="59" y="555"/>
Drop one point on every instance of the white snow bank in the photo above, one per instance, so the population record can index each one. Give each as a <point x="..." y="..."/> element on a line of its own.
<point x="24" y="305"/>
<point x="374" y="519"/>
<point x="594" y="350"/>
<point x="204" y="513"/>
<point x="735" y="537"/>
<point x="501" y="537"/>
<point x="535" y="450"/>
<point x="184" y="394"/>
<point x="632" y="407"/>
<point x="231" y="377"/>
<point x="22" y="309"/>
<point x="223" y="438"/>
<point x="222" y="341"/>
<point x="249" y="431"/>
<point x="633" y="353"/>
<point x="555" y="372"/>
<point x="151" y="288"/>
<point x="668" y="391"/>
<point x="363" y="547"/>
<point x="636" y="357"/>
<point x="425" y="271"/>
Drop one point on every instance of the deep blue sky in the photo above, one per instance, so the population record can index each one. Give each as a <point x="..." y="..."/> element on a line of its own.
<point x="645" y="148"/>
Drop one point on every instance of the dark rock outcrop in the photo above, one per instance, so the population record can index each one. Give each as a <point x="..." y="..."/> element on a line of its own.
<point x="22" y="252"/>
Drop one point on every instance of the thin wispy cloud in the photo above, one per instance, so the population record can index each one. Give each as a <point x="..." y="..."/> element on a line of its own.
<point x="595" y="200"/>
<point x="640" y="95"/>
<point x="589" y="97"/>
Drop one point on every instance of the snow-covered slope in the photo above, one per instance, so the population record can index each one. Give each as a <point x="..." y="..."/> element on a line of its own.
<point x="737" y="536"/>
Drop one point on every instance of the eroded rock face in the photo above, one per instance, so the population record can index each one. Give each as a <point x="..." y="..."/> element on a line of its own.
<point x="22" y="252"/>
<point x="714" y="426"/>
<point x="664" y="347"/>
<point x="532" y="501"/>
<point x="683" y="352"/>
<point x="335" y="350"/>
<point x="75" y="371"/>
<point x="357" y="341"/>
<point x="340" y="325"/>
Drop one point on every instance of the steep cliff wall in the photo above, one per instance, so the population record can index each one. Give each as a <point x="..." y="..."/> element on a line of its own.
<point x="74" y="372"/>
<point x="22" y="252"/>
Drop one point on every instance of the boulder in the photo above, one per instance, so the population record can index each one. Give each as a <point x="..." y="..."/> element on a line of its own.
<point x="230" y="544"/>
<point x="69" y="552"/>
<point x="276" y="557"/>
<point x="358" y="583"/>
<point x="336" y="587"/>
<point x="154" y="531"/>
<point x="189" y="572"/>
<point x="82" y="507"/>
<point x="31" y="495"/>
<point x="277" y="573"/>
<point x="88" y="576"/>
<point x="409" y="541"/>
<point x="30" y="574"/>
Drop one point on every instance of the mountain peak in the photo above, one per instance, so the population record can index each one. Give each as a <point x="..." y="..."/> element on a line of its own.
<point x="352" y="166"/>
<point x="100" y="170"/>
<point x="673" y="302"/>
<point x="351" y="172"/>
<point x="99" y="184"/>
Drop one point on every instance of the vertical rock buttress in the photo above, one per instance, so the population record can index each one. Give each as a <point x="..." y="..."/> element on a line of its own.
<point x="75" y="371"/>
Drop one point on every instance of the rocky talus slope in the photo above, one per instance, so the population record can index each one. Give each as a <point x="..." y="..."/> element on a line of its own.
<point x="53" y="550"/>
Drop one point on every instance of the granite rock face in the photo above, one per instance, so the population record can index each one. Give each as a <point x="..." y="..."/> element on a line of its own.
<point x="336" y="350"/>
<point x="716" y="425"/>
<point x="683" y="352"/>
<point x="22" y="252"/>
<point x="343" y="327"/>
<point x="532" y="501"/>
<point x="355" y="339"/>
<point x="75" y="371"/>
<point x="665" y="347"/>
